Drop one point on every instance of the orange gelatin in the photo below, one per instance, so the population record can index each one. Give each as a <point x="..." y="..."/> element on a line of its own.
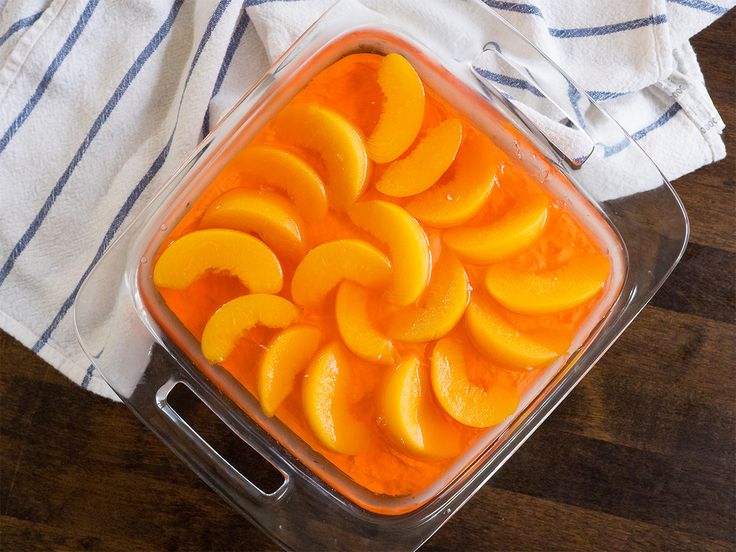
<point x="381" y="275"/>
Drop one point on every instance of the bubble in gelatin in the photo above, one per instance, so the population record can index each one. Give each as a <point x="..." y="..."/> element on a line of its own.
<point x="517" y="150"/>
<point x="164" y="228"/>
<point x="144" y="259"/>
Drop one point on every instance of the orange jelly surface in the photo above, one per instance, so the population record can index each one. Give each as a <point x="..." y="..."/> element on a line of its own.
<point x="380" y="275"/>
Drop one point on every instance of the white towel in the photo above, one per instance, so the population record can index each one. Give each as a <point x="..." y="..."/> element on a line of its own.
<point x="101" y="101"/>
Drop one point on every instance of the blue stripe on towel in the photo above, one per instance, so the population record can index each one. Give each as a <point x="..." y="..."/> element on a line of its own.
<point x="229" y="53"/>
<point x="702" y="6"/>
<point x="574" y="96"/>
<point x="609" y="29"/>
<point x="136" y="192"/>
<point x="133" y="71"/>
<point x="18" y="25"/>
<point x="531" y="9"/>
<point x="509" y="81"/>
<point x="50" y="72"/>
<point x="515" y="7"/>
<point x="87" y="376"/>
<point x="638" y="135"/>
<point x="601" y="96"/>
<point x="249" y="3"/>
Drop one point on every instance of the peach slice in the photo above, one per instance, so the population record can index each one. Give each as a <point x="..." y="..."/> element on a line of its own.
<point x="501" y="239"/>
<point x="470" y="404"/>
<point x="288" y="172"/>
<point x="329" y="263"/>
<point x="338" y="143"/>
<point x="424" y="165"/>
<point x="326" y="405"/>
<point x="288" y="354"/>
<point x="233" y="319"/>
<point x="219" y="250"/>
<point x="355" y="327"/>
<point x="461" y="198"/>
<point x="500" y="341"/>
<point x="402" y="112"/>
<point x="410" y="255"/>
<point x="268" y="215"/>
<point x="440" y="308"/>
<point x="412" y="418"/>
<point x="551" y="291"/>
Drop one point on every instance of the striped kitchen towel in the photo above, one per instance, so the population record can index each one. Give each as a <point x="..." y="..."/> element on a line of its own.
<point x="100" y="101"/>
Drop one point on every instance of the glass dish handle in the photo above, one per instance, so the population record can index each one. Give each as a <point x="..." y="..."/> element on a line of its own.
<point x="556" y="117"/>
<point x="150" y="401"/>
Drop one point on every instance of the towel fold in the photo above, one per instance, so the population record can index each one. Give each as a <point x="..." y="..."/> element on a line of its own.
<point x="101" y="101"/>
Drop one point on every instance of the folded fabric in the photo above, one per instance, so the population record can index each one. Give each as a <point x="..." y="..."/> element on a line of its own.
<point x="100" y="102"/>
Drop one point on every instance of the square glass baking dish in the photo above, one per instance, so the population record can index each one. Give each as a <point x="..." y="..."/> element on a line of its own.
<point x="567" y="146"/>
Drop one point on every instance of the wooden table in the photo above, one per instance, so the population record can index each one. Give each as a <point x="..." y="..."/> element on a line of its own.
<point x="642" y="455"/>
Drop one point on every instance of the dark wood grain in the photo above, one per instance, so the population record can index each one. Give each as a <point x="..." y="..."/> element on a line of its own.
<point x="641" y="456"/>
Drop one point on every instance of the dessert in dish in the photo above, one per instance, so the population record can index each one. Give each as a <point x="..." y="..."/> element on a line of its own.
<point x="383" y="277"/>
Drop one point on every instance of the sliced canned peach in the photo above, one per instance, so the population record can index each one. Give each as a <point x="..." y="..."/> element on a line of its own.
<point x="424" y="164"/>
<point x="326" y="404"/>
<point x="286" y="356"/>
<point x="338" y="143"/>
<point x="233" y="320"/>
<point x="502" y="342"/>
<point x="402" y="112"/>
<point x="268" y="215"/>
<point x="503" y="238"/>
<point x="468" y="403"/>
<point x="413" y="419"/>
<point x="329" y="263"/>
<point x="410" y="255"/>
<point x="460" y="199"/>
<point x="358" y="332"/>
<point x="440" y="308"/>
<point x="550" y="291"/>
<point x="288" y="172"/>
<point x="219" y="250"/>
